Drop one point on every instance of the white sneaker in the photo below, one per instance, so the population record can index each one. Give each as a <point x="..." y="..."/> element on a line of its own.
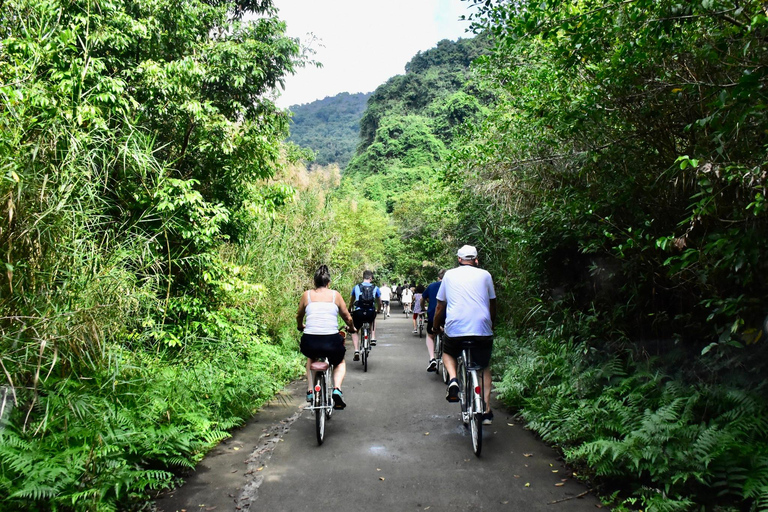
<point x="415" y="331"/>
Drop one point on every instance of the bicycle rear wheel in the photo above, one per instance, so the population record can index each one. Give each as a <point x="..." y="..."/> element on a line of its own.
<point x="421" y="328"/>
<point x="475" y="416"/>
<point x="329" y="388"/>
<point x="476" y="431"/>
<point x="463" y="396"/>
<point x="364" y="348"/>
<point x="320" y="402"/>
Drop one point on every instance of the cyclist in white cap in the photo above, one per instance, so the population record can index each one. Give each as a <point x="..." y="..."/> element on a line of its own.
<point x="466" y="311"/>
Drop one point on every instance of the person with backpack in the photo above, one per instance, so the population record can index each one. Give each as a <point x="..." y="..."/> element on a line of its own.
<point x="365" y="301"/>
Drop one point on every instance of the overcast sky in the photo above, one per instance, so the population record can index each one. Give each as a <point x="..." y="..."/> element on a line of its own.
<point x="362" y="43"/>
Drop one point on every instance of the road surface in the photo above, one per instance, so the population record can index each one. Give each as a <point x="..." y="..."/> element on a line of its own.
<point x="398" y="446"/>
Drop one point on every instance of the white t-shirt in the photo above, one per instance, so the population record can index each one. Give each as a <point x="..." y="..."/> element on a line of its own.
<point x="468" y="291"/>
<point x="386" y="293"/>
<point x="407" y="296"/>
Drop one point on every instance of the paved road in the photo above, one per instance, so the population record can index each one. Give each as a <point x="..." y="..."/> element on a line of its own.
<point x="399" y="446"/>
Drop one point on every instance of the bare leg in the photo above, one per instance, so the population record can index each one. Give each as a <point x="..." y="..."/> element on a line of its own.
<point x="310" y="377"/>
<point x="431" y="346"/>
<point x="414" y="324"/>
<point x="339" y="371"/>
<point x="450" y="365"/>
<point x="487" y="388"/>
<point x="356" y="341"/>
<point x="373" y="329"/>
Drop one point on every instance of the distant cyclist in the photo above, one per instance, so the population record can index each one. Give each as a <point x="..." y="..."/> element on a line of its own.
<point x="364" y="303"/>
<point x="466" y="307"/>
<point x="320" y="308"/>
<point x="407" y="299"/>
<point x="416" y="307"/>
<point x="429" y="298"/>
<point x="386" y="297"/>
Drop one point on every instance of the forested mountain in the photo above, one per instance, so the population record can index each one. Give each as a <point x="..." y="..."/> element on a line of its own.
<point x="329" y="127"/>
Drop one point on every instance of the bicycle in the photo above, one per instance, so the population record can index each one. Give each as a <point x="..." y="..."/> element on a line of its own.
<point x="439" y="358"/>
<point x="471" y="398"/>
<point x="322" y="401"/>
<point x="365" y="344"/>
<point x="421" y="324"/>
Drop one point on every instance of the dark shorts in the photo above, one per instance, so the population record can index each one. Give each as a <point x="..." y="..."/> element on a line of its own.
<point x="360" y="316"/>
<point x="481" y="346"/>
<point x="429" y="327"/>
<point x="315" y="346"/>
<point x="385" y="303"/>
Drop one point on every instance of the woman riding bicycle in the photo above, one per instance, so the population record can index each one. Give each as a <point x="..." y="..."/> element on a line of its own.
<point x="416" y="306"/>
<point x="321" y="337"/>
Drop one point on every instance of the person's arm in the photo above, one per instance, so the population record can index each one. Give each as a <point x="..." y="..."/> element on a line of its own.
<point x="439" y="320"/>
<point x="424" y="301"/>
<point x="492" y="308"/>
<point x="301" y="312"/>
<point x="344" y="312"/>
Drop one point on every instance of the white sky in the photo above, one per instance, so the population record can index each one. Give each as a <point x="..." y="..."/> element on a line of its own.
<point x="364" y="42"/>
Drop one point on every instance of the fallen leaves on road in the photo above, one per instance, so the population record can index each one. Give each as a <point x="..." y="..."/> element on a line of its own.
<point x="528" y="484"/>
<point x="527" y="455"/>
<point x="559" y="484"/>
<point x="381" y="478"/>
<point x="426" y="433"/>
<point x="511" y="424"/>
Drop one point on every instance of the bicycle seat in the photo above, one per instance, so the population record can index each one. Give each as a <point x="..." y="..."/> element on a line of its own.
<point x="318" y="366"/>
<point x="472" y="366"/>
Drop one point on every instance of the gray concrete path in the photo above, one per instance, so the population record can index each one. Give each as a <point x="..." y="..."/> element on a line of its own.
<point x="399" y="446"/>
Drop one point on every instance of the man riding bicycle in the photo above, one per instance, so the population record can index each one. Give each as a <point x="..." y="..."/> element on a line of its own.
<point x="466" y="311"/>
<point x="429" y="298"/>
<point x="364" y="302"/>
<point x="386" y="297"/>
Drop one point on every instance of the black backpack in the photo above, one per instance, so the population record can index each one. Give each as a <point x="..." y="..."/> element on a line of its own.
<point x="366" y="298"/>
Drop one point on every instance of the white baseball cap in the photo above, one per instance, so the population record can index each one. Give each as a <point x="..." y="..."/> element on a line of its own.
<point x="467" y="252"/>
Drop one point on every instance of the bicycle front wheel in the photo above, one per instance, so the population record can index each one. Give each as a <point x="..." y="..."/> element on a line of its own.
<point x="320" y="402"/>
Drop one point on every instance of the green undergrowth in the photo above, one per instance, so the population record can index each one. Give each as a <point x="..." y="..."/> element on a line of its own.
<point x="629" y="423"/>
<point x="129" y="427"/>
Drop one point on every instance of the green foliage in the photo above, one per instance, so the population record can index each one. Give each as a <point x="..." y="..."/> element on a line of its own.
<point x="330" y="127"/>
<point x="399" y="142"/>
<point x="631" y="422"/>
<point x="136" y="141"/>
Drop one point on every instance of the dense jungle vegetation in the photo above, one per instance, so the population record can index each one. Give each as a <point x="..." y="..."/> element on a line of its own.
<point x="608" y="160"/>
<point x="330" y="127"/>
<point x="155" y="236"/>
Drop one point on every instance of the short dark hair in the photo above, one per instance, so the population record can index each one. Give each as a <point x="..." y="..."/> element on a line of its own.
<point x="367" y="274"/>
<point x="420" y="288"/>
<point x="322" y="276"/>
